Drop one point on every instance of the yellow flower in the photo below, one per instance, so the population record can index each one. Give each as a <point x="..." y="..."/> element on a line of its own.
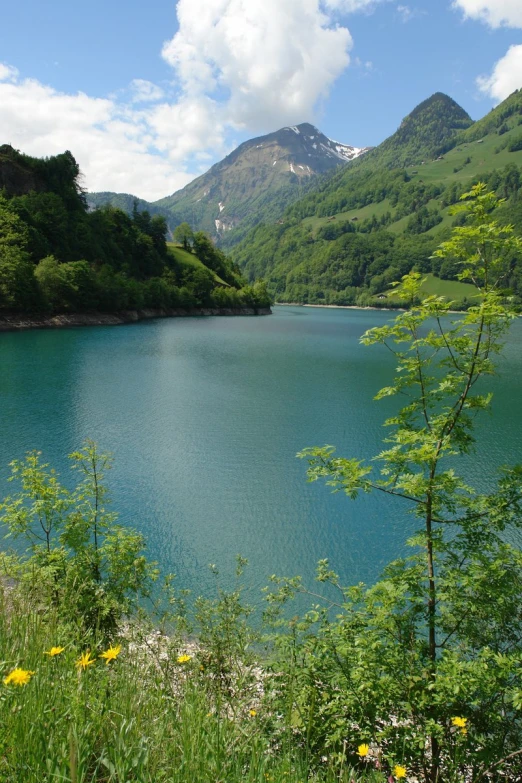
<point x="111" y="653"/>
<point x="399" y="771"/>
<point x="253" y="713"/>
<point x="363" y="750"/>
<point x="184" y="658"/>
<point x="18" y="677"/>
<point x="85" y="660"/>
<point x="54" y="651"/>
<point x="460" y="722"/>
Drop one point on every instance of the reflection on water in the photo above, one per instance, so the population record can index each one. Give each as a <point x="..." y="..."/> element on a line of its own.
<point x="204" y="417"/>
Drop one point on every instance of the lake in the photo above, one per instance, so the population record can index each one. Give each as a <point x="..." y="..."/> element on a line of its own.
<point x="204" y="417"/>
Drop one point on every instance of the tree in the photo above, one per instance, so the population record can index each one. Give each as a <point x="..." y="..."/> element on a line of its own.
<point x="18" y="290"/>
<point x="424" y="666"/>
<point x="56" y="290"/>
<point x="184" y="235"/>
<point x="90" y="568"/>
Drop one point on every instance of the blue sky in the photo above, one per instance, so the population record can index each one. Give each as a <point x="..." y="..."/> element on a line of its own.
<point x="146" y="99"/>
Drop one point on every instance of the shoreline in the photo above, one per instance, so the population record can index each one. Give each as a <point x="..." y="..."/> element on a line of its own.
<point x="19" y="322"/>
<point x="338" y="307"/>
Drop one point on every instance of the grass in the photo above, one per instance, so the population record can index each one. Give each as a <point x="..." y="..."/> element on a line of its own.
<point x="452" y="290"/>
<point x="361" y="214"/>
<point x="185" y="258"/>
<point x="151" y="715"/>
<point x="484" y="159"/>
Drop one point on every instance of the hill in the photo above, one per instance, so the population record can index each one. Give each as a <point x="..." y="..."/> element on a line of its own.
<point x="349" y="238"/>
<point x="56" y="256"/>
<point x="124" y="201"/>
<point x="256" y="182"/>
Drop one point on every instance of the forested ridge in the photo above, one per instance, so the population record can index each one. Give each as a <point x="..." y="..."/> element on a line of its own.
<point x="56" y="256"/>
<point x="383" y="215"/>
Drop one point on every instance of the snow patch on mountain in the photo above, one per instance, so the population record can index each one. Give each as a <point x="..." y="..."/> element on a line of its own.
<point x="343" y="151"/>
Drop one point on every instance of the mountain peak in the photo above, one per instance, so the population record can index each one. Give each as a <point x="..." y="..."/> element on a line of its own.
<point x="444" y="107"/>
<point x="259" y="179"/>
<point x="430" y="127"/>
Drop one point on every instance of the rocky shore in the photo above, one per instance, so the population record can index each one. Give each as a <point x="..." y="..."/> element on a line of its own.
<point x="16" y="321"/>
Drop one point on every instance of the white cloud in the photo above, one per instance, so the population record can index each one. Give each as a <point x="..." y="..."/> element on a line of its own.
<point x="8" y="73"/>
<point x="272" y="60"/>
<point x="506" y="76"/>
<point x="251" y="65"/>
<point x="350" y="6"/>
<point x="115" y="146"/>
<point x="494" y="12"/>
<point x="144" y="91"/>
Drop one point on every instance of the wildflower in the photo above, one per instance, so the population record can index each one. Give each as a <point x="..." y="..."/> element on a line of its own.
<point x="399" y="771"/>
<point x="18" y="677"/>
<point x="111" y="653"/>
<point x="184" y="658"/>
<point x="54" y="651"/>
<point x="85" y="660"/>
<point x="363" y="750"/>
<point x="253" y="713"/>
<point x="460" y="723"/>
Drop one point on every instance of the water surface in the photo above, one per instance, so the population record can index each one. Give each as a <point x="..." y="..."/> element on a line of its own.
<point x="204" y="417"/>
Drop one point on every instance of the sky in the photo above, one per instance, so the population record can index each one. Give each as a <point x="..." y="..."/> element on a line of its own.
<point x="149" y="96"/>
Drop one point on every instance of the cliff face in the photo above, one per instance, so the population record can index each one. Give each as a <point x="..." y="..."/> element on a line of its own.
<point x="17" y="178"/>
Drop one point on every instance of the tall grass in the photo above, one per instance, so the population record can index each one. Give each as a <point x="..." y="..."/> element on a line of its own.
<point x="156" y="713"/>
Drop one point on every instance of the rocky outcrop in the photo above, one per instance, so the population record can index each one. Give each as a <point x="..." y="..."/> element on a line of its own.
<point x="16" y="178"/>
<point x="15" y="321"/>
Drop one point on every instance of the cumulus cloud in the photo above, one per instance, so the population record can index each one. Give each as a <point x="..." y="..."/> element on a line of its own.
<point x="117" y="147"/>
<point x="272" y="60"/>
<point x="506" y="76"/>
<point x="250" y="65"/>
<point x="494" y="12"/>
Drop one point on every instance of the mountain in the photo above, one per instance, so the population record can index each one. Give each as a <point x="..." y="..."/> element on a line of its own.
<point x="257" y="181"/>
<point x="422" y="134"/>
<point x="350" y="237"/>
<point x="124" y="201"/>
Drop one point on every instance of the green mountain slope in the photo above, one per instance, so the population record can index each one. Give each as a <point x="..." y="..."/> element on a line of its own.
<point x="347" y="240"/>
<point x="257" y="181"/>
<point x="433" y="123"/>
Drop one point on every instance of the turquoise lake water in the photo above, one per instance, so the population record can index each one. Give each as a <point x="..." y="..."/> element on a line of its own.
<point x="204" y="417"/>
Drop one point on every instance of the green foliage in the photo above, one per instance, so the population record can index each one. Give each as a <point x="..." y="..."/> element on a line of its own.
<point x="184" y="235"/>
<point x="78" y="559"/>
<point x="144" y="717"/>
<point x="424" y="666"/>
<point x="56" y="256"/>
<point x="515" y="145"/>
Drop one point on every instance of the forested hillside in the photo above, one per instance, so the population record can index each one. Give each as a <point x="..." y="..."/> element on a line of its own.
<point x="350" y="238"/>
<point x="254" y="183"/>
<point x="56" y="256"/>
